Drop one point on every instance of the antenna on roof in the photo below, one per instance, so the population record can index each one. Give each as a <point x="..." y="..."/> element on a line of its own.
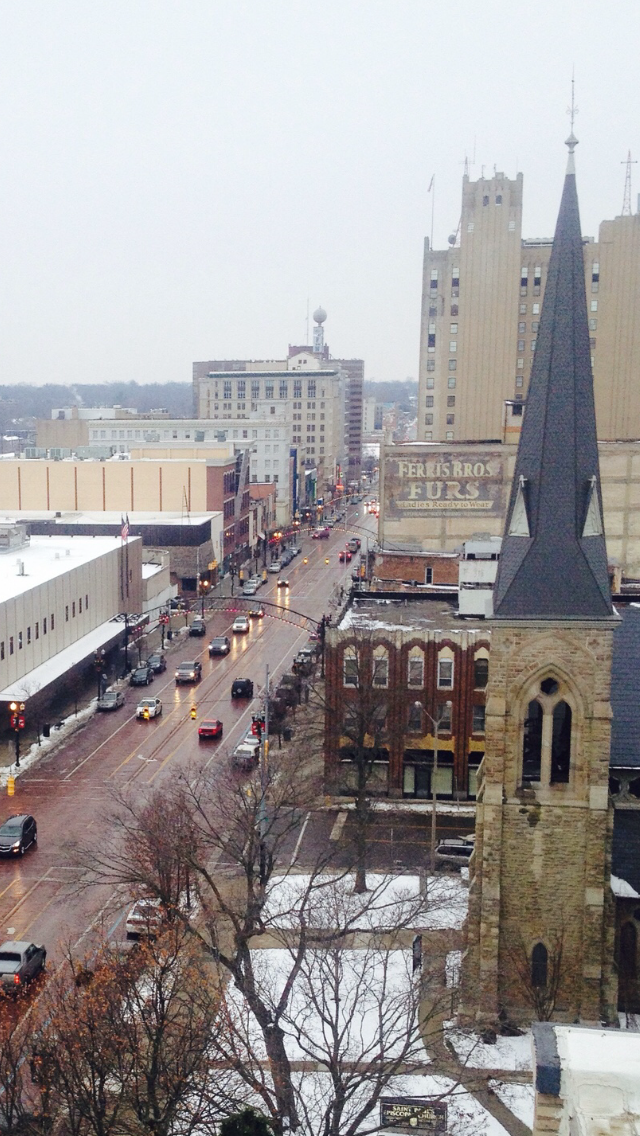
<point x="626" y="200"/>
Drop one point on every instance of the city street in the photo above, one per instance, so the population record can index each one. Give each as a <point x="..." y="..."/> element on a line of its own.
<point x="68" y="790"/>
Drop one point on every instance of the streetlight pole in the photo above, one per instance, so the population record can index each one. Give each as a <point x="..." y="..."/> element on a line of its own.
<point x="264" y="755"/>
<point x="436" y="723"/>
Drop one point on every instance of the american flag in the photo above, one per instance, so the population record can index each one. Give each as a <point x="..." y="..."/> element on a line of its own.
<point x="124" y="531"/>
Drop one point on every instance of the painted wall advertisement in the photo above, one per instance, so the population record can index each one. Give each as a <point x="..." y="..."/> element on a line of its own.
<point x="421" y="482"/>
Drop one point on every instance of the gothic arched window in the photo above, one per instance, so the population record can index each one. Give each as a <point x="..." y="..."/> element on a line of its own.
<point x="539" y="960"/>
<point x="561" y="743"/>
<point x="532" y="743"/>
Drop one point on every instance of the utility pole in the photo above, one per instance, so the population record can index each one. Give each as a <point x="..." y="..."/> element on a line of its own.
<point x="264" y="758"/>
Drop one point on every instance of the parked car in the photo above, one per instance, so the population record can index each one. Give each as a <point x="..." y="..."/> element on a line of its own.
<point x="242" y="688"/>
<point x="141" y="676"/>
<point x="274" y="566"/>
<point x="240" y="623"/>
<point x="221" y="645"/>
<point x="210" y="728"/>
<point x="257" y="579"/>
<point x="256" y="612"/>
<point x="157" y="662"/>
<point x="282" y="583"/>
<point x="198" y="626"/>
<point x="455" y="851"/>
<point x="296" y="550"/>
<point x="189" y="671"/>
<point x="148" y="708"/>
<point x="20" y="963"/>
<point x="112" y="700"/>
<point x="286" y="557"/>
<point x="144" y="919"/>
<point x="18" y="833"/>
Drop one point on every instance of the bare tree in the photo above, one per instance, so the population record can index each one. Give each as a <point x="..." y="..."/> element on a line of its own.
<point x="236" y="839"/>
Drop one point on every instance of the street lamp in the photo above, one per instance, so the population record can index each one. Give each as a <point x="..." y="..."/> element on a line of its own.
<point x="436" y="723"/>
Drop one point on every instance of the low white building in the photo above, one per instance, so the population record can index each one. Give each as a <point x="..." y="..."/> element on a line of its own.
<point x="59" y="597"/>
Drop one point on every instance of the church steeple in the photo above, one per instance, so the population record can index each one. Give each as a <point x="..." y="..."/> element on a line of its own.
<point x="553" y="563"/>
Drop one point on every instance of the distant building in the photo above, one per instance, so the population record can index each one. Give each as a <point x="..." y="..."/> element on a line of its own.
<point x="481" y="306"/>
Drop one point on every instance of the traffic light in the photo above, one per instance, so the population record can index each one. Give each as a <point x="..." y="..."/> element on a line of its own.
<point x="194" y="711"/>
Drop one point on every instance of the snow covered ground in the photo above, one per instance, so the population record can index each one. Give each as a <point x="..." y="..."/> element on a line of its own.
<point x="508" y="1053"/>
<point x="391" y="901"/>
<point x="519" y="1099"/>
<point x="36" y="752"/>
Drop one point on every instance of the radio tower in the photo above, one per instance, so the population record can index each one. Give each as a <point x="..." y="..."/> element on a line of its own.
<point x="626" y="201"/>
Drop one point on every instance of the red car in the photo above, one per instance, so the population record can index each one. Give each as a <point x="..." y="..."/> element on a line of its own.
<point x="210" y="728"/>
<point x="320" y="534"/>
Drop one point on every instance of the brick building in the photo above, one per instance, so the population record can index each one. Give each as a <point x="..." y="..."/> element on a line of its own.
<point x="419" y="657"/>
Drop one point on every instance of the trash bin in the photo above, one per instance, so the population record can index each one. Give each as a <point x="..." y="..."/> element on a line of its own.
<point x="287" y="733"/>
<point x="46" y="730"/>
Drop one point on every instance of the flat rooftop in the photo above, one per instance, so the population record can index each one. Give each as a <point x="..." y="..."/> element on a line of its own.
<point x="47" y="557"/>
<point x="106" y="518"/>
<point x="409" y="614"/>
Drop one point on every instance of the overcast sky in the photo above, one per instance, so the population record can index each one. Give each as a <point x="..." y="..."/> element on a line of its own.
<point x="179" y="177"/>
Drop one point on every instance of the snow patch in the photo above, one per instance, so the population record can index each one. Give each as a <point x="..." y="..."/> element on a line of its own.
<point x="508" y="1053"/>
<point x="519" y="1099"/>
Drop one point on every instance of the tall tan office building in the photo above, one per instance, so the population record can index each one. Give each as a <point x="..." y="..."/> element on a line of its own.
<point x="481" y="304"/>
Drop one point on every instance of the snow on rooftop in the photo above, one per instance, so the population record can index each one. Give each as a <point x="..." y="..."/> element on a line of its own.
<point x="106" y="518"/>
<point x="47" y="557"/>
<point x="508" y="1053"/>
<point x="149" y="570"/>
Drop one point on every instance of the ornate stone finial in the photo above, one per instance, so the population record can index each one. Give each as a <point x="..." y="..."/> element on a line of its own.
<point x="572" y="141"/>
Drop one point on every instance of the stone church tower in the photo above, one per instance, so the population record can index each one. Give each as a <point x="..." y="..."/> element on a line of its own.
<point x="540" y="904"/>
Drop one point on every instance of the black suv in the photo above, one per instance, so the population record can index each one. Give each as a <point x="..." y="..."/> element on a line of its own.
<point x="198" y="626"/>
<point x="242" y="688"/>
<point x="157" y="662"/>
<point x="189" y="672"/>
<point x="17" y="834"/>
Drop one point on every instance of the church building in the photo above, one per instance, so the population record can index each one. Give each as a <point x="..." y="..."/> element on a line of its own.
<point x="541" y="911"/>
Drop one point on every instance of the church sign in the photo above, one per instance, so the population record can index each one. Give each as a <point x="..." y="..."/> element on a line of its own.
<point x="421" y="482"/>
<point x="412" y="1115"/>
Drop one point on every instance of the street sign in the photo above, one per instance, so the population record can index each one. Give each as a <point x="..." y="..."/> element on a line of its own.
<point x="405" y="1112"/>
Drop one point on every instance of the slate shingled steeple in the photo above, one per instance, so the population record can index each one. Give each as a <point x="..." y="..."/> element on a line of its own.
<point x="553" y="563"/>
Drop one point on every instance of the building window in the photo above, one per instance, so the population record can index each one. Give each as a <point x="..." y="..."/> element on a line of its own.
<point x="255" y="388"/>
<point x="512" y="226"/>
<point x="283" y="390"/>
<point x="480" y="673"/>
<point x="381" y="667"/>
<point x="522" y="327"/>
<point x="524" y="278"/>
<point x="516" y="411"/>
<point x="592" y="344"/>
<point x="520" y="364"/>
<point x="428" y="436"/>
<point x="498" y="199"/>
<point x="451" y="383"/>
<point x="470" y="227"/>
<point x="453" y="364"/>
<point x="11" y="644"/>
<point x="311" y="388"/>
<point x="226" y="390"/>
<point x="414" y="723"/>
<point x="44" y="626"/>
<point x="561" y="744"/>
<point x="539" y="963"/>
<point x="519" y="380"/>
<point x="429" y="400"/>
<point x="434" y="279"/>
<point x="453" y="346"/>
<point x="73" y="609"/>
<point x="485" y="199"/>
<point x="444" y="717"/>
<point x="521" y="345"/>
<point x="428" y="575"/>
<point x="86" y="603"/>
<point x="451" y="400"/>
<point x="477" y="725"/>
<point x="2" y="650"/>
<point x="536" y="309"/>
<point x="430" y="382"/>
<point x="19" y="640"/>
<point x="428" y="419"/>
<point x="415" y="669"/>
<point x="450" y="419"/>
<point x="433" y="312"/>
<point x="535" y="325"/>
<point x="268" y="390"/>
<point x="80" y="606"/>
<point x="53" y="622"/>
<point x="593" y="325"/>
<point x="28" y="636"/>
<point x="594" y="305"/>
<point x="453" y="328"/>
<point x="533" y="344"/>
<point x="66" y="613"/>
<point x="431" y="364"/>
<point x="431" y="341"/>
<point x="350" y="667"/>
<point x="532" y="743"/>
<point x="449" y="435"/>
<point x="523" y="309"/>
<point x="454" y="308"/>
<point x="445" y="674"/>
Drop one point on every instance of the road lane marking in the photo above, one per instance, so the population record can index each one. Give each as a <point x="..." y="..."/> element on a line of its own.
<point x="299" y="840"/>
<point x="338" y="825"/>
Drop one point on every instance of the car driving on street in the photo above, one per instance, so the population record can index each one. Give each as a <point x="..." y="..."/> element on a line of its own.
<point x="242" y="688"/>
<point x="141" y="676"/>
<point x="148" y="708"/>
<point x="189" y="671"/>
<point x="221" y="645"/>
<point x="20" y="963"/>
<point x="210" y="728"/>
<point x="18" y="833"/>
<point x="240" y="624"/>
